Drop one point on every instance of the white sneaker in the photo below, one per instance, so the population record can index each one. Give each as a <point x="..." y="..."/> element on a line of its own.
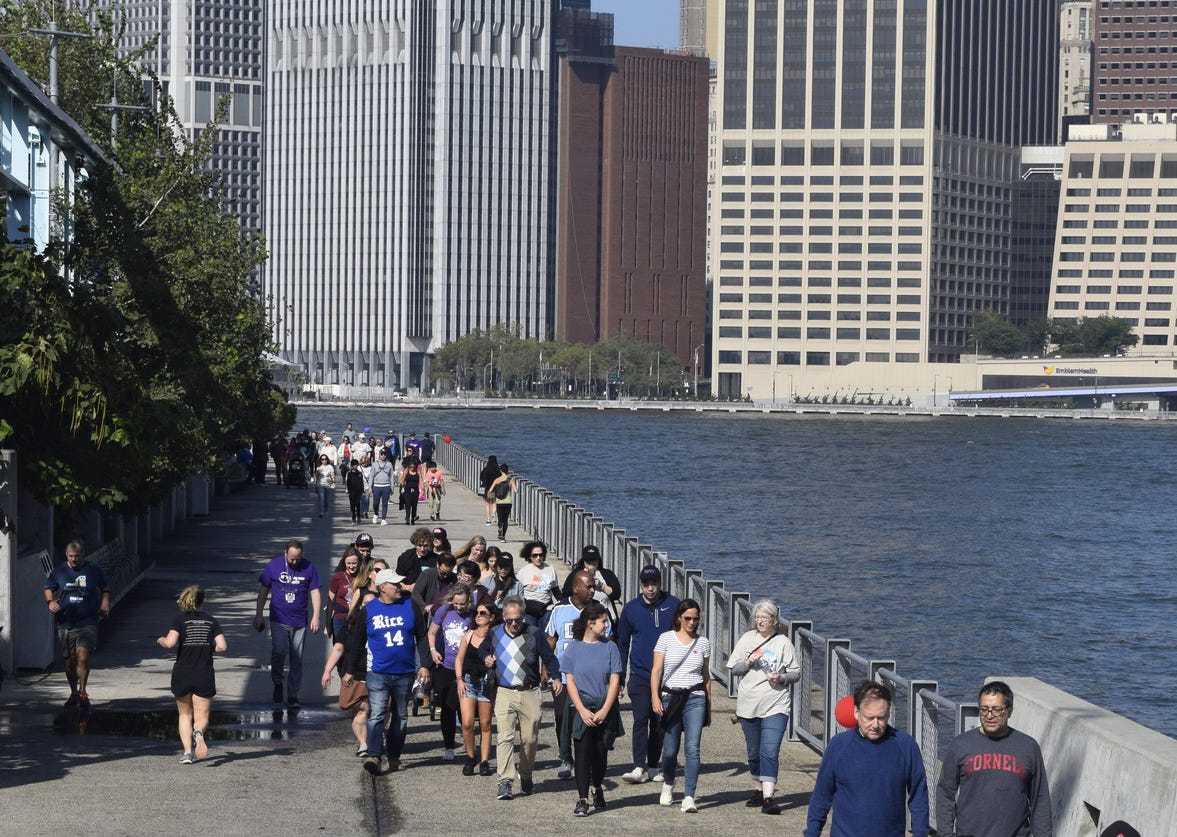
<point x="688" y="805"/>
<point x="667" y="797"/>
<point x="448" y="755"/>
<point x="375" y="519"/>
<point x="637" y="776"/>
<point x="383" y="522"/>
<point x="657" y="777"/>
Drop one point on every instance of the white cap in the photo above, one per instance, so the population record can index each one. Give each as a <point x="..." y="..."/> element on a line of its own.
<point x="388" y="577"/>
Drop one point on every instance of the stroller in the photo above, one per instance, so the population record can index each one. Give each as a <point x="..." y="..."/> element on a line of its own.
<point x="296" y="472"/>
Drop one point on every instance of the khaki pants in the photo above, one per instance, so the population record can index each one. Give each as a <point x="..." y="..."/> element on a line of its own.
<point x="516" y="707"/>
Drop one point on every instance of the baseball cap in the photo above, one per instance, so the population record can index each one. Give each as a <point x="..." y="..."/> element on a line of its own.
<point x="650" y="573"/>
<point x="363" y="539"/>
<point x="439" y="532"/>
<point x="388" y="577"/>
<point x="591" y="553"/>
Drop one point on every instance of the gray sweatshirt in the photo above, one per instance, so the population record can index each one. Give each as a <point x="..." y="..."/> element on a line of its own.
<point x="993" y="787"/>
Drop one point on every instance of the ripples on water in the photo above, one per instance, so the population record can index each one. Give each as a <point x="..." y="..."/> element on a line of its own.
<point x="959" y="547"/>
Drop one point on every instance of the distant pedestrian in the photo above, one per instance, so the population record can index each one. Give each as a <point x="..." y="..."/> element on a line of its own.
<point x="339" y="588"/>
<point x="764" y="661"/>
<point x="381" y="483"/>
<point x="324" y="484"/>
<point x="195" y="635"/>
<point x="410" y="483"/>
<point x="427" y="448"/>
<point x="643" y="620"/>
<point x="486" y="478"/>
<point x="503" y="491"/>
<point x="294" y="583"/>
<point x="356" y="485"/>
<point x="77" y="594"/>
<point x="869" y="774"/>
<point x="538" y="578"/>
<point x="992" y="779"/>
<point x="680" y="694"/>
<point x="434" y="488"/>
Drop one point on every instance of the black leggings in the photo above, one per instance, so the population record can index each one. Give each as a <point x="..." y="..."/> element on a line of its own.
<point x="410" y="505"/>
<point x="592" y="759"/>
<point x="503" y="510"/>
<point x="445" y="689"/>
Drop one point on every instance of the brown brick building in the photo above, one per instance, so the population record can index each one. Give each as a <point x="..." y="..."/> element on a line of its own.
<point x="631" y="223"/>
<point x="1135" y="45"/>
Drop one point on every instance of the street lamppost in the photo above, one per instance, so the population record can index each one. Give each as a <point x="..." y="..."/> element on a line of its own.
<point x="935" y="382"/>
<point x="696" y="353"/>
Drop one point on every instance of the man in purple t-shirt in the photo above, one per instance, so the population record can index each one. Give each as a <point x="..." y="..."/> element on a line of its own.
<point x="293" y="582"/>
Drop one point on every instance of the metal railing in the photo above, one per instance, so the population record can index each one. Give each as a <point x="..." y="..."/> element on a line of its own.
<point x="829" y="668"/>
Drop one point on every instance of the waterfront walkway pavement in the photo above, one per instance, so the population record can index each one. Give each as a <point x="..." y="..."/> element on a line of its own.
<point x="119" y="772"/>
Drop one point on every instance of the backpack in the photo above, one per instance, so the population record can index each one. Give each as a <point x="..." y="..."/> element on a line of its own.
<point x="502" y="490"/>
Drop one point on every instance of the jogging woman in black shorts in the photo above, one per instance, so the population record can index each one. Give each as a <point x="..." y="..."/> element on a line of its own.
<point x="195" y="635"/>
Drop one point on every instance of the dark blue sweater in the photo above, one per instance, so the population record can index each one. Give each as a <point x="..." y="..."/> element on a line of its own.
<point x="868" y="783"/>
<point x="638" y="629"/>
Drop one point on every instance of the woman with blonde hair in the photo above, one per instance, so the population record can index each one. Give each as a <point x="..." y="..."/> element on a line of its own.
<point x="195" y="635"/>
<point x="473" y="550"/>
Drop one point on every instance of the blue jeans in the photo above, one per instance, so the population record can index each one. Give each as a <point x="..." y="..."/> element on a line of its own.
<point x="646" y="737"/>
<point x="763" y="737"/>
<point x="380" y="495"/>
<point x="325" y="496"/>
<point x="689" y="725"/>
<point x="285" y="641"/>
<point x="380" y="688"/>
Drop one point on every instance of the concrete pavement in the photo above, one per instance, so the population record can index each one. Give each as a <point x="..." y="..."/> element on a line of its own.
<point x="117" y="771"/>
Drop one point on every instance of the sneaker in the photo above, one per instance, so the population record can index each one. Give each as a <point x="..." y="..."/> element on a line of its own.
<point x="393" y="765"/>
<point x="667" y="796"/>
<point x="72" y="702"/>
<point x="468" y="767"/>
<point x="565" y="771"/>
<point x="688" y="805"/>
<point x="361" y="751"/>
<point x="657" y="776"/>
<point x="755" y="800"/>
<point x="187" y="758"/>
<point x="581" y="809"/>
<point x="505" y="790"/>
<point x="599" y="799"/>
<point x="372" y="765"/>
<point x="278" y="693"/>
<point x="448" y="755"/>
<point x="83" y="700"/>
<point x="484" y="769"/>
<point x="637" y="776"/>
<point x="770" y="807"/>
<point x="199" y="746"/>
<point x="383" y="522"/>
<point x="526" y="786"/>
<point x="375" y="519"/>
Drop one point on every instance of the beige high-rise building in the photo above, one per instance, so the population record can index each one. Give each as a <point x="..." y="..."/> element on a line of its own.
<point x="698" y="27"/>
<point x="868" y="152"/>
<point x="1075" y="18"/>
<point x="1116" y="248"/>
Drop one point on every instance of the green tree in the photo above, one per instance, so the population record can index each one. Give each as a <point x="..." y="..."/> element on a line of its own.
<point x="994" y="336"/>
<point x="1095" y="336"/>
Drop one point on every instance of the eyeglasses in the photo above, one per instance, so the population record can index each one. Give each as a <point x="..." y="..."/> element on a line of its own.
<point x="762" y="618"/>
<point x="513" y="621"/>
<point x="992" y="711"/>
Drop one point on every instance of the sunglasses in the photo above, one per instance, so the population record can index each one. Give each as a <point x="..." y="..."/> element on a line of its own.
<point x="513" y="621"/>
<point x="482" y="613"/>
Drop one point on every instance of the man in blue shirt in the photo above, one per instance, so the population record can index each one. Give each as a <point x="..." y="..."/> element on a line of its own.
<point x="78" y="596"/>
<point x="868" y="773"/>
<point x="642" y="621"/>
<point x="391" y="649"/>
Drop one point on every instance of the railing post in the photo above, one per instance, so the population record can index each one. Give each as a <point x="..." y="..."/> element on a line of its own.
<point x="830" y="688"/>
<point x="915" y="721"/>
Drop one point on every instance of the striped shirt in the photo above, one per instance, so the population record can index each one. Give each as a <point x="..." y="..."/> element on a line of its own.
<point x="680" y="671"/>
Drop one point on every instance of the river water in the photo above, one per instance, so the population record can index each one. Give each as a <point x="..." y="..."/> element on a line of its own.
<point x="959" y="547"/>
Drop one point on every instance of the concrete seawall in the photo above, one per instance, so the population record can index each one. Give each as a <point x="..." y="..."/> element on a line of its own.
<point x="1102" y="766"/>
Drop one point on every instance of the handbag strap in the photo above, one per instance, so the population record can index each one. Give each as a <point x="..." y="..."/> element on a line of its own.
<point x="690" y="648"/>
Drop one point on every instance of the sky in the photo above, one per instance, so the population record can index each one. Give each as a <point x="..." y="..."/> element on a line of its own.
<point x="643" y="23"/>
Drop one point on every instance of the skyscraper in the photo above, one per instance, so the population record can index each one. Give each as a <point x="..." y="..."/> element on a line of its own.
<point x="868" y="154"/>
<point x="1135" y="59"/>
<point x="1076" y="21"/>
<point x="204" y="51"/>
<point x="407" y="180"/>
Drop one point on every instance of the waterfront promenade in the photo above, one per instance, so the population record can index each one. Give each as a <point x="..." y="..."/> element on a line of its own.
<point x="268" y="772"/>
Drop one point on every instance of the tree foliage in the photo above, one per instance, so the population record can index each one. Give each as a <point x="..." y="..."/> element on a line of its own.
<point x="1092" y="336"/>
<point x="499" y="360"/>
<point x="132" y="355"/>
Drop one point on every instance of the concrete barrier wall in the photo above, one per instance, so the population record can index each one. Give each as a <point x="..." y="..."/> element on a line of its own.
<point x="1102" y="767"/>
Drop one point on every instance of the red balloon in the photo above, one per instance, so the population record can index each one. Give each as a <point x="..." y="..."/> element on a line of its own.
<point x="446" y="439"/>
<point x="844" y="712"/>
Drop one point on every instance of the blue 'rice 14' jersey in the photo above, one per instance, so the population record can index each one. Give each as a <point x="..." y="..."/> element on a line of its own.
<point x="392" y="637"/>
